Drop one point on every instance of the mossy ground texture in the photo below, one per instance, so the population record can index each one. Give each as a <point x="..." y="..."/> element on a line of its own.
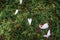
<point x="16" y="27"/>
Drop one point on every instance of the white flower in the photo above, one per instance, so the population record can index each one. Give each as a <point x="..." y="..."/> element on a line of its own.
<point x="48" y="34"/>
<point x="44" y="26"/>
<point x="29" y="21"/>
<point x="16" y="11"/>
<point x="20" y="1"/>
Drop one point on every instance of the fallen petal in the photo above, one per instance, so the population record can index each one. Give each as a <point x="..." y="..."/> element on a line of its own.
<point x="16" y="11"/>
<point x="21" y="1"/>
<point x="29" y="21"/>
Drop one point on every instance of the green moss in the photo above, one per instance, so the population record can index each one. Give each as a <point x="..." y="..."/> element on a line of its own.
<point x="41" y="11"/>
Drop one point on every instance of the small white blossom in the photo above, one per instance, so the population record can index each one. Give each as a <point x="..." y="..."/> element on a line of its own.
<point x="16" y="11"/>
<point x="29" y="21"/>
<point x="20" y="1"/>
<point x="44" y="26"/>
<point x="48" y="34"/>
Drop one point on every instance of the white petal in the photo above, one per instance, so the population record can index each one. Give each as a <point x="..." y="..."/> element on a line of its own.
<point x="45" y="26"/>
<point x="29" y="21"/>
<point x="20" y="1"/>
<point x="45" y="36"/>
<point x="48" y="34"/>
<point x="16" y="11"/>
